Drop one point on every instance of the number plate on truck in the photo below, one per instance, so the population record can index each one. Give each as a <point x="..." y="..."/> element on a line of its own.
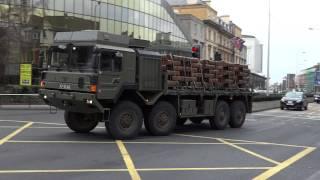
<point x="64" y="86"/>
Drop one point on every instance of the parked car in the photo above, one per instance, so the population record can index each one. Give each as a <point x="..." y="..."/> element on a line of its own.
<point x="294" y="100"/>
<point x="317" y="98"/>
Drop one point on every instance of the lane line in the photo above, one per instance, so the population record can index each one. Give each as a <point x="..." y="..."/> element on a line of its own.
<point x="126" y="170"/>
<point x="204" y="169"/>
<point x="128" y="161"/>
<point x="7" y="138"/>
<point x="237" y="147"/>
<point x="249" y="152"/>
<point x="266" y="143"/>
<point x="111" y="142"/>
<point x="271" y="172"/>
<point x="61" y="171"/>
<point x="290" y="117"/>
<point x="245" y="141"/>
<point x="63" y="142"/>
<point x="59" y="124"/>
<point x="42" y="127"/>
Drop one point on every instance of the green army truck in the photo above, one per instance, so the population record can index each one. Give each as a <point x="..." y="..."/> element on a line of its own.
<point x="99" y="77"/>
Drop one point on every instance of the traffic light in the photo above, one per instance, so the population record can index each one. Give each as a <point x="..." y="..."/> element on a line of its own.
<point x="196" y="51"/>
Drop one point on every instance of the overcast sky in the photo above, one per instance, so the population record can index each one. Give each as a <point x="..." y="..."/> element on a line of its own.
<point x="293" y="46"/>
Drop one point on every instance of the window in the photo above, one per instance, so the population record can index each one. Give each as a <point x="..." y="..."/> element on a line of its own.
<point x="111" y="61"/>
<point x="104" y="10"/>
<point x="88" y="7"/>
<point x="79" y="7"/>
<point x="59" y="5"/>
<point x="69" y="6"/>
<point x="111" y="11"/>
<point x="124" y="14"/>
<point x="118" y="13"/>
<point x="38" y="3"/>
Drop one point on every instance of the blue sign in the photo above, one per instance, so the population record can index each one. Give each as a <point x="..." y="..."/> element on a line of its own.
<point x="317" y="78"/>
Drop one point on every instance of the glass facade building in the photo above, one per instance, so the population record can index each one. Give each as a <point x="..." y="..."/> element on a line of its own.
<point x="27" y="28"/>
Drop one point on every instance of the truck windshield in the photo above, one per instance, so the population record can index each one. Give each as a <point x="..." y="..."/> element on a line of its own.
<point x="73" y="58"/>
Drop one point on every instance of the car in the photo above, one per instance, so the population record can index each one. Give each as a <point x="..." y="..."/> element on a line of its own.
<point x="317" y="98"/>
<point x="294" y="100"/>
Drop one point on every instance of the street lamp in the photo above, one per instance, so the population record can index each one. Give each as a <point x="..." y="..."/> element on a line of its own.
<point x="268" y="56"/>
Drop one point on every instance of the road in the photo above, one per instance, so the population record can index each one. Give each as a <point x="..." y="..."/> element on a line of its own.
<point x="273" y="144"/>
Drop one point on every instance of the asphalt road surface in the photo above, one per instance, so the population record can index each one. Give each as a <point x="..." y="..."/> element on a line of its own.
<point x="273" y="144"/>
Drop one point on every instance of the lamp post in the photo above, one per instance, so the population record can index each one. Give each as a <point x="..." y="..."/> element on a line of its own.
<point x="97" y="3"/>
<point x="268" y="55"/>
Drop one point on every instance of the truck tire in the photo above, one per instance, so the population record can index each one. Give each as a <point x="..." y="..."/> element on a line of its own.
<point x="222" y="116"/>
<point x="181" y="121"/>
<point x="79" y="122"/>
<point x="162" y="119"/>
<point x="196" y="120"/>
<point x="238" y="114"/>
<point x="125" y="121"/>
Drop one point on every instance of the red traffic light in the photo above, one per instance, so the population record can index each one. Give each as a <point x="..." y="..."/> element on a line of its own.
<point x="195" y="49"/>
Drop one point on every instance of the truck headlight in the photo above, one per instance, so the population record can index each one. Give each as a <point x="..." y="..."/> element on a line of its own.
<point x="89" y="101"/>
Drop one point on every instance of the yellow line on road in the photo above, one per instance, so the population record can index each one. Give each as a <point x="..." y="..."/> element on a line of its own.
<point x="64" y="142"/>
<point x="271" y="172"/>
<point x="126" y="170"/>
<point x="58" y="124"/>
<point x="204" y="169"/>
<point x="243" y="141"/>
<point x="111" y="142"/>
<point x="248" y="151"/>
<point x="235" y="146"/>
<point x="265" y="143"/>
<point x="61" y="171"/>
<point x="7" y="138"/>
<point x="128" y="161"/>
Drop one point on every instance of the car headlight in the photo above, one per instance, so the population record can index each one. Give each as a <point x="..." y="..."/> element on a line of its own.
<point x="282" y="100"/>
<point x="299" y="101"/>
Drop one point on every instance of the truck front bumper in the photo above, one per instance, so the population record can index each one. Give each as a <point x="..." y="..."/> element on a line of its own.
<point x="71" y="101"/>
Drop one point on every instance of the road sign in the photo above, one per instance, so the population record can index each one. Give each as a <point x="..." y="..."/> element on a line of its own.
<point x="25" y="74"/>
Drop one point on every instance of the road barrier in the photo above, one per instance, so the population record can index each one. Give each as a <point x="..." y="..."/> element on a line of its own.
<point x="20" y="99"/>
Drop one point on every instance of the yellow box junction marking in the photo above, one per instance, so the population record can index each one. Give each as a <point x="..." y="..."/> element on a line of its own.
<point x="248" y="151"/>
<point x="235" y="146"/>
<point x="271" y="172"/>
<point x="128" y="161"/>
<point x="7" y="138"/>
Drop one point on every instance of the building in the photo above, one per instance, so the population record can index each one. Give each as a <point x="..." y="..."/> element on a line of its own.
<point x="222" y="37"/>
<point x="291" y="82"/>
<point x="27" y="28"/>
<point x="194" y="30"/>
<point x="257" y="81"/>
<point x="254" y="53"/>
<point x="309" y="79"/>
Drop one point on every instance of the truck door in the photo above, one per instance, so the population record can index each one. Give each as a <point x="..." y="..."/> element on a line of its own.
<point x="117" y="68"/>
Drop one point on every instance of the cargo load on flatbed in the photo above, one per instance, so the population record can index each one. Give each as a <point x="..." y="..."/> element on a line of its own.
<point x="187" y="72"/>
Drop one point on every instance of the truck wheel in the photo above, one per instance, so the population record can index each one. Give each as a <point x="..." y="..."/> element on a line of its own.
<point x="196" y="120"/>
<point x="181" y="121"/>
<point x="125" y="120"/>
<point x="79" y="122"/>
<point x="222" y="116"/>
<point x="238" y="114"/>
<point x="162" y="119"/>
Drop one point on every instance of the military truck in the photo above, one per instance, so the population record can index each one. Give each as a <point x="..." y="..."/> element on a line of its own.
<point x="99" y="77"/>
